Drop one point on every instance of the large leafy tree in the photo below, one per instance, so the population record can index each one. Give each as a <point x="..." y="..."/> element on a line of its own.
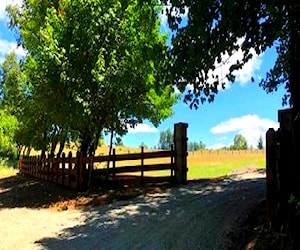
<point x="94" y="65"/>
<point x="8" y="127"/>
<point x="13" y="97"/>
<point x="216" y="30"/>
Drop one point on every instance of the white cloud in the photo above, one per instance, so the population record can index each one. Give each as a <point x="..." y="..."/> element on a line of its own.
<point x="3" y="4"/>
<point x="217" y="146"/>
<point x="250" y="126"/>
<point x="142" y="128"/>
<point x="243" y="75"/>
<point x="7" y="47"/>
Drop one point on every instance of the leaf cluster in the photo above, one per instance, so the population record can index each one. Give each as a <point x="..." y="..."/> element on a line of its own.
<point x="217" y="28"/>
<point x="93" y="66"/>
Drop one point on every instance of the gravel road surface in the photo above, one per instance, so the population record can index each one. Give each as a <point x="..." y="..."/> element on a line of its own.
<point x="195" y="216"/>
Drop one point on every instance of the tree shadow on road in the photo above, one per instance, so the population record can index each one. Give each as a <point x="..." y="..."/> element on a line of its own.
<point x="24" y="191"/>
<point x="196" y="216"/>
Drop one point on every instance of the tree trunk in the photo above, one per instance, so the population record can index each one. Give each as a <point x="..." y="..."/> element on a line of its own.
<point x="53" y="148"/>
<point x="44" y="147"/>
<point x="61" y="146"/>
<point x="28" y="151"/>
<point x="110" y="150"/>
<point x="85" y="145"/>
<point x="19" y="150"/>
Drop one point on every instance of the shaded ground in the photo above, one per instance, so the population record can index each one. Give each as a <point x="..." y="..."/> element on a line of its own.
<point x="25" y="191"/>
<point x="200" y="215"/>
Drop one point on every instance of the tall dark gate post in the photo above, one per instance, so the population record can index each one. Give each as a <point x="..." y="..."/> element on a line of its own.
<point x="180" y="141"/>
<point x="285" y="164"/>
<point x="272" y="174"/>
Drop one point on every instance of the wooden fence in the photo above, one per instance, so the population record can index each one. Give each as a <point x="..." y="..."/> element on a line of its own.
<point x="77" y="172"/>
<point x="74" y="172"/>
<point x="282" y="165"/>
<point x="67" y="171"/>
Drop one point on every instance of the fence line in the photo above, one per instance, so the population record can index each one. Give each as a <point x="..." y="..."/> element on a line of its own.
<point x="75" y="172"/>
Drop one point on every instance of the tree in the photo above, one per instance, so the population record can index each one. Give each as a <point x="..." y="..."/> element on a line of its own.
<point x="165" y="139"/>
<point x="12" y="85"/>
<point x="119" y="141"/>
<point x="216" y="30"/>
<point x="94" y="67"/>
<point x="13" y="99"/>
<point x="143" y="145"/>
<point x="194" y="146"/>
<point x="202" y="146"/>
<point x="260" y="143"/>
<point x="239" y="143"/>
<point x="8" y="127"/>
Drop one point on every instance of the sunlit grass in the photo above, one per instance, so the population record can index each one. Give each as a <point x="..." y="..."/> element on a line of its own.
<point x="201" y="164"/>
<point x="211" y="164"/>
<point x="7" y="171"/>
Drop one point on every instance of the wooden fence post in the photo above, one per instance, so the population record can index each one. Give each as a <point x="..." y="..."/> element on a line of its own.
<point x="79" y="171"/>
<point x="285" y="162"/>
<point x="114" y="163"/>
<point x="69" y="168"/>
<point x="56" y="161"/>
<point x="180" y="140"/>
<point x="172" y="163"/>
<point x="272" y="175"/>
<point x="63" y="160"/>
<point x="142" y="165"/>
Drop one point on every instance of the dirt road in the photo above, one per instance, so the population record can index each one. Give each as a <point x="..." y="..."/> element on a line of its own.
<point x="195" y="216"/>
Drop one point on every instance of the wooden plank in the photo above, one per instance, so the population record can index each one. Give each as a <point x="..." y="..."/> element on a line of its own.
<point x="69" y="168"/>
<point x="131" y="169"/>
<point x="59" y="160"/>
<point x="135" y="156"/>
<point x="142" y="165"/>
<point x="63" y="167"/>
<point x="114" y="163"/>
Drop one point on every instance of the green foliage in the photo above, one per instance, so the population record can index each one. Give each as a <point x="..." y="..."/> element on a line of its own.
<point x="165" y="139"/>
<point x="119" y="141"/>
<point x="239" y="143"/>
<point x="218" y="28"/>
<point x="143" y="145"/>
<point x="194" y="146"/>
<point x="94" y="66"/>
<point x="13" y="88"/>
<point x="260" y="143"/>
<point x="296" y="203"/>
<point x="8" y="127"/>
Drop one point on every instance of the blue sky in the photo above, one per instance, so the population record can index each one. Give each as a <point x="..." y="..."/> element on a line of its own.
<point x="242" y="108"/>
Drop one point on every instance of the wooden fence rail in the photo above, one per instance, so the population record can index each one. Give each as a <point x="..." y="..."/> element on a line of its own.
<point x="62" y="170"/>
<point x="76" y="172"/>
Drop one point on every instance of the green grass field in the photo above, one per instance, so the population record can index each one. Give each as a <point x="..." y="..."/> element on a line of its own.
<point x="212" y="164"/>
<point x="201" y="164"/>
<point x="7" y="172"/>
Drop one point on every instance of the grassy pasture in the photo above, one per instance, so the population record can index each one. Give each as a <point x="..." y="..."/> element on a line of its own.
<point x="201" y="164"/>
<point x="211" y="164"/>
<point x="7" y="171"/>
